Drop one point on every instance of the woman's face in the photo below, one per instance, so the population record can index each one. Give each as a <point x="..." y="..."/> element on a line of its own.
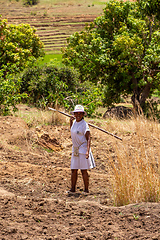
<point x="78" y="116"/>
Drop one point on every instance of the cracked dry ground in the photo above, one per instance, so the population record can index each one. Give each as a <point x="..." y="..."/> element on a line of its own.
<point x="33" y="184"/>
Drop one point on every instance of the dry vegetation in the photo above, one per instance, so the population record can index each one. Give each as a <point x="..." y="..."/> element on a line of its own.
<point x="136" y="168"/>
<point x="135" y="164"/>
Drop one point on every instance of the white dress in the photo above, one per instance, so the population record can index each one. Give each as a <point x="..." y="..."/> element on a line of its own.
<point x="78" y="131"/>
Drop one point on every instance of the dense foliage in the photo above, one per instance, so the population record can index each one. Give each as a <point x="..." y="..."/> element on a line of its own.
<point x="50" y="85"/>
<point x="19" y="47"/>
<point x="10" y="94"/>
<point x="121" y="49"/>
<point x="150" y="8"/>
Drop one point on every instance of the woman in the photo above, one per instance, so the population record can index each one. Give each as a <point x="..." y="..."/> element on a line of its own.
<point x="82" y="157"/>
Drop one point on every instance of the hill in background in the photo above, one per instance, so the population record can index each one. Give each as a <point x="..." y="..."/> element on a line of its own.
<point x="54" y="20"/>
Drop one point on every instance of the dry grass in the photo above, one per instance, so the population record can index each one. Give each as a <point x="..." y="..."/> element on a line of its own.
<point x="34" y="117"/>
<point x="136" y="169"/>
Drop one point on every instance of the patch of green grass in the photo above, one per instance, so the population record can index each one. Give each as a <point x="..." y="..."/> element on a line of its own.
<point x="103" y="2"/>
<point x="52" y="57"/>
<point x="136" y="217"/>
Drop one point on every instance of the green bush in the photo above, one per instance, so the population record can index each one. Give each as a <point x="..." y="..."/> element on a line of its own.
<point x="9" y="94"/>
<point x="30" y="2"/>
<point x="48" y="85"/>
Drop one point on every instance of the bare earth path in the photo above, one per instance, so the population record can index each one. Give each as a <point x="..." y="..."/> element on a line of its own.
<point x="33" y="184"/>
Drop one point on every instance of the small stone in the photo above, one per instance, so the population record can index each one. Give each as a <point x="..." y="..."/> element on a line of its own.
<point x="83" y="228"/>
<point x="70" y="223"/>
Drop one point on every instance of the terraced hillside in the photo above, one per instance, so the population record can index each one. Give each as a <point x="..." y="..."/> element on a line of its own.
<point x="54" y="22"/>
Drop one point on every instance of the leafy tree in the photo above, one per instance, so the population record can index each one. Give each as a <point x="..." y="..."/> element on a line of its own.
<point x="19" y="47"/>
<point x="120" y="49"/>
<point x="150" y="8"/>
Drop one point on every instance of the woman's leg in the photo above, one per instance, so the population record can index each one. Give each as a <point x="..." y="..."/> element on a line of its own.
<point x="73" y="179"/>
<point x="85" y="180"/>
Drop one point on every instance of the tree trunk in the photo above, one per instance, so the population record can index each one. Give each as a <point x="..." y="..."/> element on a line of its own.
<point x="136" y="103"/>
<point x="135" y="96"/>
<point x="139" y="99"/>
<point x="145" y="94"/>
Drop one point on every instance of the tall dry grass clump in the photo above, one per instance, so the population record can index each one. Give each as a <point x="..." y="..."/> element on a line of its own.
<point x="136" y="165"/>
<point x="35" y="117"/>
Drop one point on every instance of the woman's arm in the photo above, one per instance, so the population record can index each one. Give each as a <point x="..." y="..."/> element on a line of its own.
<point x="71" y="121"/>
<point x="88" y="138"/>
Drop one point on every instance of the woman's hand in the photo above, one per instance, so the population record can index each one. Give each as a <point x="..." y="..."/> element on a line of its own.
<point x="87" y="155"/>
<point x="88" y="138"/>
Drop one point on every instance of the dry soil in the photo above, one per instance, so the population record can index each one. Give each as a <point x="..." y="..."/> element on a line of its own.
<point x="34" y="181"/>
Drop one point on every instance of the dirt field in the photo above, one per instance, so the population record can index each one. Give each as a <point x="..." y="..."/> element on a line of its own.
<point x="34" y="180"/>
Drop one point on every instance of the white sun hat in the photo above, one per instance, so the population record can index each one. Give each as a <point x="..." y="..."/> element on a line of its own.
<point x="78" y="108"/>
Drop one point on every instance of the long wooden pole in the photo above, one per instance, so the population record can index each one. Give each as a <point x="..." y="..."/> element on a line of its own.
<point x="88" y="124"/>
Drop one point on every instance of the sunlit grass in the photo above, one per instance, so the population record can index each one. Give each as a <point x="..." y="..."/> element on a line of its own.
<point x="136" y="165"/>
<point x="36" y="117"/>
<point x="57" y="58"/>
<point x="101" y="2"/>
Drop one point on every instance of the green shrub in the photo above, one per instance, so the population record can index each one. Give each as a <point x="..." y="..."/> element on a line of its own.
<point x="9" y="94"/>
<point x="30" y="2"/>
<point x="48" y="85"/>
